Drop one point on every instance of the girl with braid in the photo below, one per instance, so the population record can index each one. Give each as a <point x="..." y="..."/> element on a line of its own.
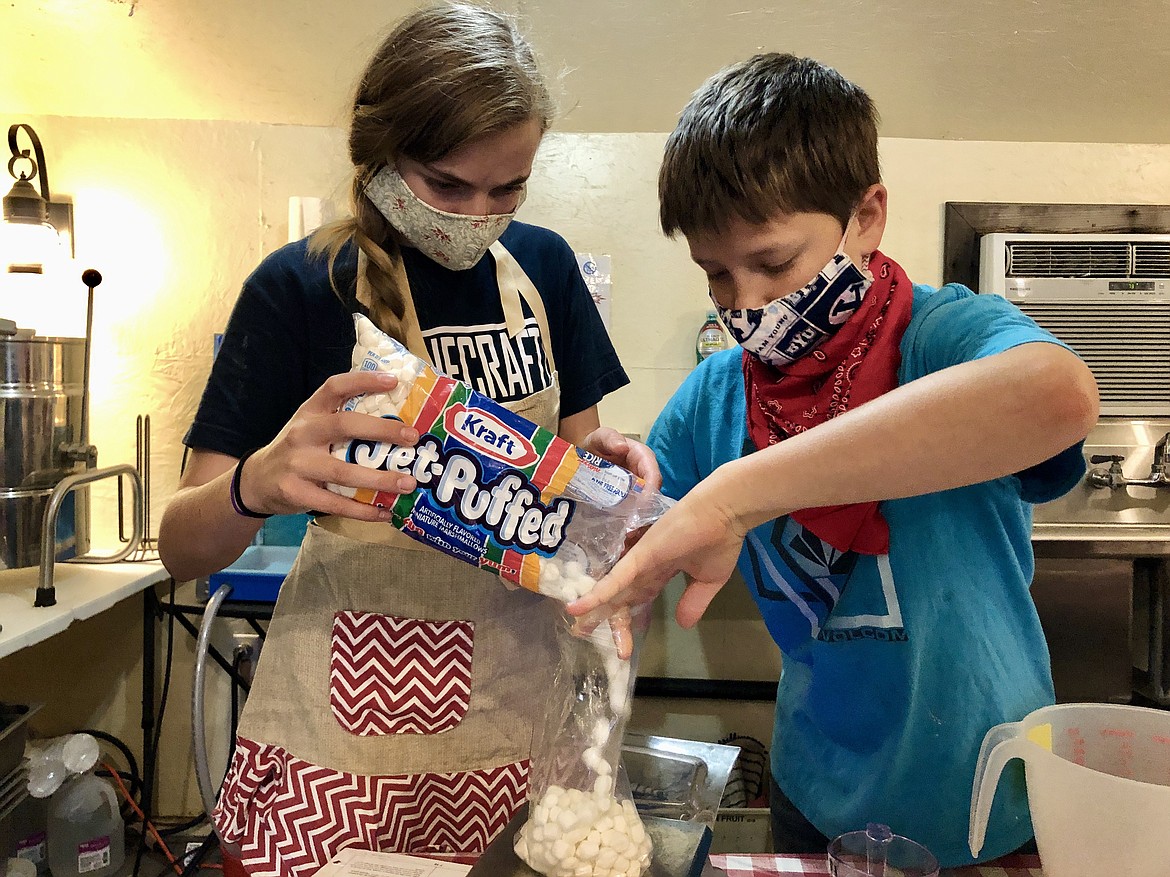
<point x="395" y="699"/>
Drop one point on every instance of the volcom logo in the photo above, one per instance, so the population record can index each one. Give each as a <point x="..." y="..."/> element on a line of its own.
<point x="489" y="435"/>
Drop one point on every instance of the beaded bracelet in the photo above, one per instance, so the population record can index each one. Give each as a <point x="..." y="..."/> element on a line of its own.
<point x="234" y="491"/>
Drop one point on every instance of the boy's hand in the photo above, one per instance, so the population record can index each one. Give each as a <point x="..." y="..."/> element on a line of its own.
<point x="629" y="454"/>
<point x="697" y="537"/>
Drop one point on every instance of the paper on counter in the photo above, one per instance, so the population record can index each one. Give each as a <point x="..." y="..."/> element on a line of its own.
<point x="353" y="862"/>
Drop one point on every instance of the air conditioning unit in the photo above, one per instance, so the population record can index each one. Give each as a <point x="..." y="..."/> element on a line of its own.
<point x="1105" y="295"/>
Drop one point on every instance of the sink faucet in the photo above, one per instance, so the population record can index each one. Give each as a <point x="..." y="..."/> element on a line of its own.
<point x="1159" y="464"/>
<point x="1114" y="479"/>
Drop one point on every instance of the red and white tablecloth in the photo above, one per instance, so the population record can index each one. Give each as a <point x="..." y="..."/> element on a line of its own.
<point x="767" y="865"/>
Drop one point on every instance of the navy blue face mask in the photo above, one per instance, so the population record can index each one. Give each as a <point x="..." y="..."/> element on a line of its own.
<point x="784" y="330"/>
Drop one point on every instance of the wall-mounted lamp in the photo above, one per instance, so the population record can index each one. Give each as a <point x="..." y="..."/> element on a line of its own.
<point x="37" y="231"/>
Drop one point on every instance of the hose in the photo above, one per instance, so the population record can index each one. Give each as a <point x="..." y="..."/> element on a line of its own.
<point x="198" y="724"/>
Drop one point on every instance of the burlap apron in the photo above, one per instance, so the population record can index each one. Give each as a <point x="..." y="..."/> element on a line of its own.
<point x="394" y="703"/>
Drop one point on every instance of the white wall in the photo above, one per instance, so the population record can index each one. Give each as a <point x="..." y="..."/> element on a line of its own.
<point x="1067" y="70"/>
<point x="599" y="191"/>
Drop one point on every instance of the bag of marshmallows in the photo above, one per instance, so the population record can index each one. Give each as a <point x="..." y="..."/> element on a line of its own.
<point x="494" y="489"/>
<point x="582" y="821"/>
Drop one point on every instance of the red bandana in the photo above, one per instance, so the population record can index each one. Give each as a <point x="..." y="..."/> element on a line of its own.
<point x="859" y="363"/>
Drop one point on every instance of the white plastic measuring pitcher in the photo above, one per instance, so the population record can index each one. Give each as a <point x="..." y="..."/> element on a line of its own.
<point x="1098" y="780"/>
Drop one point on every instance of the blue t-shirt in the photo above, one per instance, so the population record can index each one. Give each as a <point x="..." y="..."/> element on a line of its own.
<point x="289" y="332"/>
<point x="895" y="665"/>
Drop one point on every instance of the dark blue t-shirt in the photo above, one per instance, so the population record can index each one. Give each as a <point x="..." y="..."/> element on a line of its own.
<point x="290" y="331"/>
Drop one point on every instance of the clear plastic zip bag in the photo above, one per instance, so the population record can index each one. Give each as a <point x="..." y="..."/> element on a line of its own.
<point x="582" y="821"/>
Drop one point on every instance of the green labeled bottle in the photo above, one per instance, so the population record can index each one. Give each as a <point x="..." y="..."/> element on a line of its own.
<point x="711" y="338"/>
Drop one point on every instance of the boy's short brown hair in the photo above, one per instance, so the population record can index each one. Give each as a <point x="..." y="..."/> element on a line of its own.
<point x="773" y="134"/>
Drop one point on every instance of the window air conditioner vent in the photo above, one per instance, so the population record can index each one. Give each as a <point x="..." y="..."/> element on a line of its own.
<point x="1068" y="259"/>
<point x="1151" y="260"/>
<point x="1126" y="346"/>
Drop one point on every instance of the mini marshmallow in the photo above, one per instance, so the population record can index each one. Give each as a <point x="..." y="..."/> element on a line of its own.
<point x="564" y="580"/>
<point x="600" y="734"/>
<point x="613" y="844"/>
<point x="591" y="758"/>
<point x="570" y="832"/>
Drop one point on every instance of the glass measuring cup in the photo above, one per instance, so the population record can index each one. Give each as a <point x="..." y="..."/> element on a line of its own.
<point x="878" y="852"/>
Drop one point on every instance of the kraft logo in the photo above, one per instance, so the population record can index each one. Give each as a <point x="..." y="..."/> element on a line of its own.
<point x="489" y="435"/>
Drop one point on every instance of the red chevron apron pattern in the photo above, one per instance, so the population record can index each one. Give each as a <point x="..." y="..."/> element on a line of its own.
<point x="289" y="817"/>
<point x="390" y="675"/>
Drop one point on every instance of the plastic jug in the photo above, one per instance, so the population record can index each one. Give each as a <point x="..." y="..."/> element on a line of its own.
<point x="1098" y="779"/>
<point x="85" y="830"/>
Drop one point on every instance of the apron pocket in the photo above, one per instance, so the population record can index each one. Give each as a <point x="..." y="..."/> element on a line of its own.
<point x="390" y="675"/>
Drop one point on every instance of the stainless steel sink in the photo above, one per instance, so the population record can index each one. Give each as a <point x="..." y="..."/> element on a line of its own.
<point x="1130" y="523"/>
<point x="1097" y="522"/>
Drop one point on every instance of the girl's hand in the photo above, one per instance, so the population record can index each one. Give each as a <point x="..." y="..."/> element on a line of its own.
<point x="698" y="537"/>
<point x="289" y="475"/>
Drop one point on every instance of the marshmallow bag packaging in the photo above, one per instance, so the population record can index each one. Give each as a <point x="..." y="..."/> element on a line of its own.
<point x="495" y="490"/>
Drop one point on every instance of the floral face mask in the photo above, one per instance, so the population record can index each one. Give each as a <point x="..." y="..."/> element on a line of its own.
<point x="454" y="240"/>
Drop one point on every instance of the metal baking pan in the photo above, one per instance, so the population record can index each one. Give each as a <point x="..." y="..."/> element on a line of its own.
<point x="8" y="828"/>
<point x="13" y="734"/>
<point x="675" y="778"/>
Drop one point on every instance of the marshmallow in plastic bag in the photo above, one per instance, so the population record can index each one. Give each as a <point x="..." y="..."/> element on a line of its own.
<point x="494" y="489"/>
<point x="581" y="817"/>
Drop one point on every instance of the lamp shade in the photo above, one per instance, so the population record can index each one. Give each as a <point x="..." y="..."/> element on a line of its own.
<point x="30" y="248"/>
<point x="29" y="242"/>
<point x="38" y="280"/>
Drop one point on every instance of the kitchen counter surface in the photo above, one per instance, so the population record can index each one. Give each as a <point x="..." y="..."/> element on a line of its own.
<point x="768" y="865"/>
<point x="83" y="590"/>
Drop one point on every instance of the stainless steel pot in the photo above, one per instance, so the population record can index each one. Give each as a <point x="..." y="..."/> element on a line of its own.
<point x="42" y="391"/>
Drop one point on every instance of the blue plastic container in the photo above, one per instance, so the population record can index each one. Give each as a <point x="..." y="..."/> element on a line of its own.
<point x="258" y="574"/>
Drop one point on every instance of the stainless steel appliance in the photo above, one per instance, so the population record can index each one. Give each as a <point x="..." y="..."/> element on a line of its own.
<point x="46" y="458"/>
<point x="1101" y="567"/>
<point x="42" y="385"/>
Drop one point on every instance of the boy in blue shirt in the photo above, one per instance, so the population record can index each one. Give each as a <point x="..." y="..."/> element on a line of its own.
<point x="868" y="455"/>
